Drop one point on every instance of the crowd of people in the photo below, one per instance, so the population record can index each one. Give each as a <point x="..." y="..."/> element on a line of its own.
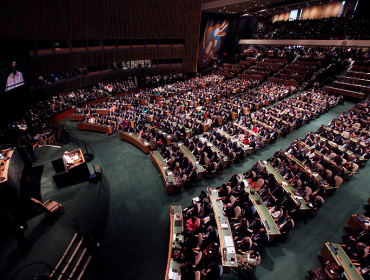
<point x="333" y="28"/>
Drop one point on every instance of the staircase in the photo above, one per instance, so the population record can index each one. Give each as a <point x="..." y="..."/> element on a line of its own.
<point x="75" y="259"/>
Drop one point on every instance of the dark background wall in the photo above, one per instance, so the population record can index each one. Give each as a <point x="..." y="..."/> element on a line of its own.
<point x="244" y="29"/>
<point x="362" y="10"/>
<point x="36" y="20"/>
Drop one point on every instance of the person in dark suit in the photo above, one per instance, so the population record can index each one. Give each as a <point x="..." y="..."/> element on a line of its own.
<point x="16" y="231"/>
<point x="187" y="271"/>
<point x="361" y="235"/>
<point x="259" y="240"/>
<point x="285" y="224"/>
<point x="192" y="178"/>
<point x="210" y="236"/>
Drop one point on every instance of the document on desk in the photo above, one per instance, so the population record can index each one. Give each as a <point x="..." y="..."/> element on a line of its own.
<point x="231" y="250"/>
<point x="224" y="225"/>
<point x="229" y="241"/>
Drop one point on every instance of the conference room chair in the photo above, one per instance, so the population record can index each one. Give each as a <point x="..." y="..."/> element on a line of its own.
<point x="338" y="181"/>
<point x="299" y="183"/>
<point x="206" y="162"/>
<point x="237" y="212"/>
<point x="319" y="166"/>
<point x="221" y="270"/>
<point x="279" y="161"/>
<point x="308" y="192"/>
<point x="357" y="125"/>
<point x="228" y="190"/>
<point x="254" y="174"/>
<point x="49" y="206"/>
<point x="355" y="167"/>
<point x="199" y="242"/>
<point x="213" y="173"/>
<point x="345" y="133"/>
<point x="231" y="161"/>
<point x="198" y="258"/>
<point x="357" y="262"/>
<point x="197" y="275"/>
<point x="232" y="200"/>
<point x="329" y="172"/>
<point x="259" y="184"/>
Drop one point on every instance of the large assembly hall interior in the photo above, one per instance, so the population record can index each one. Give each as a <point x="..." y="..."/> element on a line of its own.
<point x="184" y="139"/>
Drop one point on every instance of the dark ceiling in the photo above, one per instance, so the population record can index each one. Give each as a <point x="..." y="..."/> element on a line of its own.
<point x="257" y="7"/>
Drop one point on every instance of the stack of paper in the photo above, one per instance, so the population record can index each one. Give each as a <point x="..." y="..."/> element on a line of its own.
<point x="229" y="241"/>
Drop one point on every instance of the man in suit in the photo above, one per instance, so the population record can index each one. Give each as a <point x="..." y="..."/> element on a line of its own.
<point x="259" y="240"/>
<point x="361" y="235"/>
<point x="285" y="224"/>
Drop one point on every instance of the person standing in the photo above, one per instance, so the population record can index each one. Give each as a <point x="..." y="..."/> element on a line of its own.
<point x="66" y="134"/>
<point x="16" y="231"/>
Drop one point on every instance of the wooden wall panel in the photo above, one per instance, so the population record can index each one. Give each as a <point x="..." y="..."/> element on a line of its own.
<point x="98" y="19"/>
<point x="102" y="19"/>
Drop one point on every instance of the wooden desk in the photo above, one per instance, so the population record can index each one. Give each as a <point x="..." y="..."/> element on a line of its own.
<point x="357" y="222"/>
<point x="167" y="176"/>
<point x="167" y="137"/>
<point x="345" y="92"/>
<point x="176" y="226"/>
<point x="261" y="210"/>
<point x="135" y="140"/>
<point x="215" y="149"/>
<point x="347" y="173"/>
<point x="247" y="150"/>
<point x="264" y="140"/>
<point x="224" y="233"/>
<point x="60" y="117"/>
<point x="288" y="188"/>
<point x="95" y="127"/>
<point x="317" y="178"/>
<point x="77" y="117"/>
<point x="349" y="152"/>
<point x="100" y="111"/>
<point x="193" y="159"/>
<point x="340" y="257"/>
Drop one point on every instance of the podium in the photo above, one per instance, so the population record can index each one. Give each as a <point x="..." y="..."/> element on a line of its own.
<point x="78" y="171"/>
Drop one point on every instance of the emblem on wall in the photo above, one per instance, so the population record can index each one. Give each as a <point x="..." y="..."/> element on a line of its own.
<point x="211" y="43"/>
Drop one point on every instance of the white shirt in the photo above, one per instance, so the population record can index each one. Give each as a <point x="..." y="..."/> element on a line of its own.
<point x="66" y="161"/>
<point x="14" y="81"/>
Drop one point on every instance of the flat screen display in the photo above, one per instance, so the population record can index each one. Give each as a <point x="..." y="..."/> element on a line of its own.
<point x="13" y="66"/>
